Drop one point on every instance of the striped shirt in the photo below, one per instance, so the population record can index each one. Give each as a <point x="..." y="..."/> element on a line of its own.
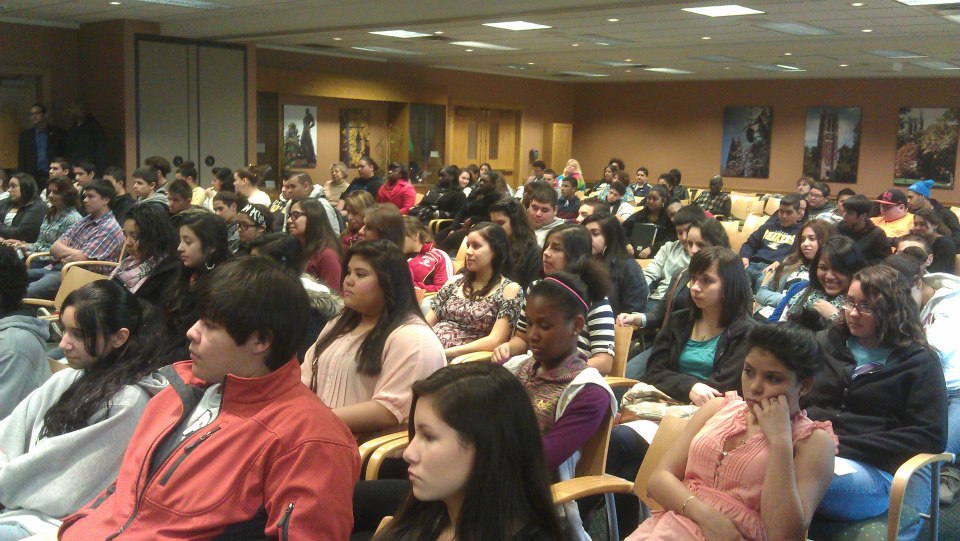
<point x="596" y="336"/>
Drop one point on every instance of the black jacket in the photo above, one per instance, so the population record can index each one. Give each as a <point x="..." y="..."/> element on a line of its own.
<point x="161" y="283"/>
<point x="628" y="287"/>
<point x="121" y="205"/>
<point x="56" y="142"/>
<point x="872" y="241"/>
<point x="666" y="232"/>
<point x="663" y="367"/>
<point x="87" y="141"/>
<point x="439" y="203"/>
<point x="883" y="417"/>
<point x="26" y="224"/>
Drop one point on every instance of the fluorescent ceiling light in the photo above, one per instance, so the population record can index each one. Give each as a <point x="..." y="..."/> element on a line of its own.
<point x="786" y="67"/>
<point x="897" y="54"/>
<point x="775" y="67"/>
<point x="400" y="34"/>
<point x="927" y="2"/>
<point x="197" y="4"/>
<point x="482" y="45"/>
<point x="668" y="70"/>
<point x="723" y="11"/>
<point x="797" y="29"/>
<point x="597" y="39"/>
<point x="583" y="74"/>
<point x="387" y="50"/>
<point x="936" y="65"/>
<point x="517" y="25"/>
<point x="719" y="58"/>
<point x="617" y="64"/>
<point x="515" y="66"/>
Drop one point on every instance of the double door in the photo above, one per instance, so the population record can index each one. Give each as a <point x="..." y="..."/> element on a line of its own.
<point x="486" y="135"/>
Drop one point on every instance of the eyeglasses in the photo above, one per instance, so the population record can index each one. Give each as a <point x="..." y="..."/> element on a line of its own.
<point x="863" y="309"/>
<point x="243" y="227"/>
<point x="296" y="214"/>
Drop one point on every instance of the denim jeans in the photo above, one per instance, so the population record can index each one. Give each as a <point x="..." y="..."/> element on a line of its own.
<point x="44" y="283"/>
<point x="637" y="366"/>
<point x="755" y="272"/>
<point x="953" y="421"/>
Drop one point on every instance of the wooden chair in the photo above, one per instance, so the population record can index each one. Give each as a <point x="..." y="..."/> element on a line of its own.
<point x="955" y="210"/>
<point x="437" y="224"/>
<point x="383" y="524"/>
<point x="476" y="356"/>
<point x="458" y="261"/>
<point x="622" y="336"/>
<point x="644" y="263"/>
<point x="772" y="205"/>
<point x="740" y="205"/>
<point x="957" y="265"/>
<point x="56" y="366"/>
<point x="368" y="447"/>
<point x="753" y="222"/>
<point x="73" y="277"/>
<point x="418" y="198"/>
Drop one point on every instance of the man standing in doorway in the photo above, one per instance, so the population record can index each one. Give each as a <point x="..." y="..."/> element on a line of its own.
<point x="40" y="144"/>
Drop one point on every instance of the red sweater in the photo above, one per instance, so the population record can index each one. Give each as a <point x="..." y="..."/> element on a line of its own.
<point x="274" y="463"/>
<point x="400" y="194"/>
<point x="430" y="269"/>
<point x="325" y="266"/>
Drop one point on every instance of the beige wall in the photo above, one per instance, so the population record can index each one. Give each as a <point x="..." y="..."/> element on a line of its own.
<point x="48" y="52"/>
<point x="666" y="125"/>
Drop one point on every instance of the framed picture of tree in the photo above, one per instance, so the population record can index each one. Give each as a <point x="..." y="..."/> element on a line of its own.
<point x="927" y="146"/>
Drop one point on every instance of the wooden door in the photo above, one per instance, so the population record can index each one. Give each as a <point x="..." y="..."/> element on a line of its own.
<point x="486" y="135"/>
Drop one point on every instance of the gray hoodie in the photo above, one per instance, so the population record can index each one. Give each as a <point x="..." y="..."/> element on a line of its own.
<point x="43" y="480"/>
<point x="23" y="360"/>
<point x="156" y="198"/>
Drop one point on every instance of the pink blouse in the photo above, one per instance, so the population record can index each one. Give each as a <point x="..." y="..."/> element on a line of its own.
<point x="729" y="482"/>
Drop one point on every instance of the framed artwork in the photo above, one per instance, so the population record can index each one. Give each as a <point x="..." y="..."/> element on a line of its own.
<point x="354" y="135"/>
<point x="746" y="142"/>
<point x="300" y="136"/>
<point x="927" y="146"/>
<point x="831" y="144"/>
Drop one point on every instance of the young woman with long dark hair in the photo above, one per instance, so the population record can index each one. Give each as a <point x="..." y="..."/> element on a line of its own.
<point x="928" y="224"/>
<point x="524" y="251"/>
<point x="628" y="287"/>
<point x="22" y="213"/>
<point x="63" y="444"/>
<point x="149" y="267"/>
<point x="62" y="213"/>
<point x="819" y="302"/>
<point x="308" y="223"/>
<point x="365" y="360"/>
<point x="794" y="268"/>
<point x="476" y="462"/>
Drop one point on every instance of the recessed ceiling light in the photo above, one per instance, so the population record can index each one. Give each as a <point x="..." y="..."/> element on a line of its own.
<point x="726" y="67"/>
<point x="706" y="37"/>
<point x="668" y="70"/>
<point x="387" y="50"/>
<point x="574" y="44"/>
<point x="584" y="74"/>
<point x="628" y="60"/>
<point x="784" y="66"/>
<point x="114" y="3"/>
<point x="797" y="29"/>
<point x="613" y="20"/>
<point x="843" y="65"/>
<point x="629" y="71"/>
<point x="787" y="54"/>
<point x="483" y="45"/>
<point x="439" y="32"/>
<point x="723" y="11"/>
<point x="616" y="64"/>
<point x="867" y="30"/>
<point x="857" y="4"/>
<point x="469" y="50"/>
<point x="776" y="67"/>
<point x="337" y="39"/>
<point x="404" y="34"/>
<point x="530" y="64"/>
<point x="517" y="25"/>
<point x="597" y="39"/>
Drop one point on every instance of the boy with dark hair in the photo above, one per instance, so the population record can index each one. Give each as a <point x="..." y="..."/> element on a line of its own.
<point x="568" y="205"/>
<point x="589" y="206"/>
<point x="188" y="172"/>
<point x="542" y="210"/>
<point x="818" y="199"/>
<point x="123" y="202"/>
<point x="857" y="225"/>
<point x="895" y="219"/>
<point x="236" y="446"/>
<point x="83" y="173"/>
<point x="162" y="168"/>
<point x="672" y="256"/>
<point x="23" y="357"/>
<point x="180" y="193"/>
<point x="773" y="241"/>
<point x="227" y="205"/>
<point x="146" y="184"/>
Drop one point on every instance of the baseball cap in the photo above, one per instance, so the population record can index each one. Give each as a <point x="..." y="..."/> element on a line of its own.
<point x="892" y="197"/>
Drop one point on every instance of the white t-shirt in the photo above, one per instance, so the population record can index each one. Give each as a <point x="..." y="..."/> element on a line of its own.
<point x="260" y="197"/>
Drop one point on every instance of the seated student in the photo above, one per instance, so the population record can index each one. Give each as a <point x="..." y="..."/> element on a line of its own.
<point x="366" y="180"/>
<point x="246" y="181"/>
<point x="882" y="387"/>
<point x="23" y="358"/>
<point x="145" y="185"/>
<point x="150" y="266"/>
<point x="464" y="420"/>
<point x="542" y="211"/>
<point x="615" y="201"/>
<point x="222" y="182"/>
<point x="444" y="199"/>
<point x="715" y="201"/>
<point x="63" y="444"/>
<point x="526" y="265"/>
<point x="816" y="303"/>
<point x="365" y="360"/>
<point x="188" y="173"/>
<point x="397" y="189"/>
<point x="628" y="287"/>
<point x="430" y="268"/>
<point x="918" y="197"/>
<point x="700" y="236"/>
<point x="253" y="221"/>
<point x="354" y="204"/>
<point x="383" y="221"/>
<point x="587" y="207"/>
<point x="895" y="218"/>
<point x="568" y="249"/>
<point x="124" y="201"/>
<point x="307" y="222"/>
<point x="775" y="463"/>
<point x="337" y="184"/>
<point x="227" y="206"/>
<point x="21" y="214"/>
<point x="236" y="443"/>
<point x="677" y="191"/>
<point x="490" y="188"/>
<point x="297" y="185"/>
<point x="673" y="256"/>
<point x="927" y="224"/>
<point x="773" y="241"/>
<point x="856" y="224"/>
<point x="794" y="268"/>
<point x="179" y="193"/>
<point x="653" y="212"/>
<point x="477" y="309"/>
<point x="96" y="237"/>
<point x="599" y="188"/>
<point x="818" y="199"/>
<point x="570" y="397"/>
<point x="161" y="168"/>
<point x="60" y="216"/>
<point x="568" y="205"/>
<point x="572" y="170"/>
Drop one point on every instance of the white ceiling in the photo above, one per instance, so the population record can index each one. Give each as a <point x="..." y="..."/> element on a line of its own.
<point x="654" y="33"/>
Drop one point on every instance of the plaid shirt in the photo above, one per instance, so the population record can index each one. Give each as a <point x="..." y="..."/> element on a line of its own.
<point x="99" y="239"/>
<point x="714" y="204"/>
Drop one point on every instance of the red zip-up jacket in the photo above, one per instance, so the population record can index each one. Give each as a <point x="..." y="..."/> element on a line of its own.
<point x="274" y="464"/>
<point x="431" y="268"/>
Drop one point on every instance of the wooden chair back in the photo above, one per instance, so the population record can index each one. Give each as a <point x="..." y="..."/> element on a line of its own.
<point x="383" y="524"/>
<point x="458" y="261"/>
<point x="74" y="278"/>
<point x="56" y="366"/>
<point x="669" y="431"/>
<point x="772" y="206"/>
<point x="740" y="205"/>
<point x="621" y="350"/>
<point x="593" y="453"/>
<point x="753" y="222"/>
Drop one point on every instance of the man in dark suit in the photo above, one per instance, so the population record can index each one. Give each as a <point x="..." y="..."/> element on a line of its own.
<point x="40" y="144"/>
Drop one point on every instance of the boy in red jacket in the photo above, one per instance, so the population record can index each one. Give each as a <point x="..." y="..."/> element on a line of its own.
<point x="236" y="447"/>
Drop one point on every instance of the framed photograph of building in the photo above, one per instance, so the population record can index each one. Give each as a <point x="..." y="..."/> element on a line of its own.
<point x="746" y="142"/>
<point x="831" y="144"/>
<point x="927" y="146"/>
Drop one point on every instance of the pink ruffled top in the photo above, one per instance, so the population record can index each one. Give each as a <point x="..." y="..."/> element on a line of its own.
<point x="730" y="482"/>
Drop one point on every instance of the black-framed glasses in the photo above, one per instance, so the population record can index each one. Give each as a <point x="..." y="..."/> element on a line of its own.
<point x="244" y="227"/>
<point x="863" y="309"/>
<point x="296" y="214"/>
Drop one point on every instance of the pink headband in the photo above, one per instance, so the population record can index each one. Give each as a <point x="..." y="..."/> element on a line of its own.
<point x="568" y="288"/>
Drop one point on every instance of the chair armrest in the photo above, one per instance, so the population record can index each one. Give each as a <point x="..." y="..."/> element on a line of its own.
<point x="473" y="357"/>
<point x="385" y="451"/>
<point x="435" y="224"/>
<point x="590" y="485"/>
<point x="899" y="488"/>
<point x="38" y="302"/>
<point x="89" y="263"/>
<point x="368" y="447"/>
<point x="35" y="255"/>
<point x="616" y="383"/>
